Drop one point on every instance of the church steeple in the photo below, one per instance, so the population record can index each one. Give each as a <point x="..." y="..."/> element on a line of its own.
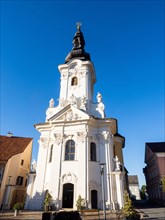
<point x="78" y="51"/>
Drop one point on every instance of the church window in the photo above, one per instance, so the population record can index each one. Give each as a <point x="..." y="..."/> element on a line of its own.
<point x="70" y="150"/>
<point x="74" y="81"/>
<point x="51" y="154"/>
<point x="93" y="151"/>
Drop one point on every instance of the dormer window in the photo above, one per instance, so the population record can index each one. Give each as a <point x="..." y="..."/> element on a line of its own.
<point x="74" y="81"/>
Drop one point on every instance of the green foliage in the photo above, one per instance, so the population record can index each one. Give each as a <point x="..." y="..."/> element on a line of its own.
<point x="80" y="203"/>
<point x="142" y="192"/>
<point x="47" y="201"/>
<point x="18" y="206"/>
<point x="163" y="184"/>
<point x="143" y="188"/>
<point x="128" y="209"/>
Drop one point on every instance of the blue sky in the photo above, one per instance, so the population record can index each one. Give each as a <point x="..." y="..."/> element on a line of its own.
<point x="126" y="42"/>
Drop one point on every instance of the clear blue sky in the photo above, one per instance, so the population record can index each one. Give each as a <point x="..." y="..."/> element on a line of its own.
<point x="126" y="42"/>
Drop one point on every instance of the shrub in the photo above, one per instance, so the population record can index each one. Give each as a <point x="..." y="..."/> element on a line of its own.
<point x="18" y="206"/>
<point x="128" y="209"/>
<point x="47" y="201"/>
<point x="80" y="203"/>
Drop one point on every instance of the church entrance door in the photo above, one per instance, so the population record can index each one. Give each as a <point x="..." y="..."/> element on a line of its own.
<point x="68" y="192"/>
<point x="94" y="199"/>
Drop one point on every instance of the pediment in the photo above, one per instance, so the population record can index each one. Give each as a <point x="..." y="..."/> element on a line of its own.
<point x="69" y="113"/>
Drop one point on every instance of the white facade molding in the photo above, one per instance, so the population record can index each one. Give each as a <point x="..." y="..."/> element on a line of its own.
<point x="76" y="117"/>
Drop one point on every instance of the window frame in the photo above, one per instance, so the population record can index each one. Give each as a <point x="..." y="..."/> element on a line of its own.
<point x="69" y="150"/>
<point x="19" y="180"/>
<point x="73" y="82"/>
<point x="93" y="152"/>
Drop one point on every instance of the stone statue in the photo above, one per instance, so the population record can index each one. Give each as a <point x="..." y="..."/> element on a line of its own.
<point x="100" y="106"/>
<point x="117" y="163"/>
<point x="51" y="103"/>
<point x="83" y="102"/>
<point x="33" y="166"/>
<point x="73" y="100"/>
<point x="99" y="97"/>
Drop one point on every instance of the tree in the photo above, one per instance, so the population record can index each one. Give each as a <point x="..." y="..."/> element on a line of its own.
<point x="143" y="192"/>
<point x="128" y="210"/>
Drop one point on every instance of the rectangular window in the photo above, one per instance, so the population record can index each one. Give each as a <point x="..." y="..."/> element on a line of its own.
<point x="70" y="150"/>
<point x="93" y="151"/>
<point x="22" y="162"/>
<point x="19" y="181"/>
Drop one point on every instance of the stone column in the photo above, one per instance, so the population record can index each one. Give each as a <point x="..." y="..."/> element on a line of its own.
<point x="119" y="189"/>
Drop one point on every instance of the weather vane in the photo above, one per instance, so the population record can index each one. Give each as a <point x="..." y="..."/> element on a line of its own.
<point x="79" y="24"/>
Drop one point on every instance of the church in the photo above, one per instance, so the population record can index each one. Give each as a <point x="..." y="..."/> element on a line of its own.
<point x="80" y="149"/>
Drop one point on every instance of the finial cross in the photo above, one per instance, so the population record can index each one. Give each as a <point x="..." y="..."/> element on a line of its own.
<point x="79" y="24"/>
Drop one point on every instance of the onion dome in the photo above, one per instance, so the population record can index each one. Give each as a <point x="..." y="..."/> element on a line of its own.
<point x="78" y="51"/>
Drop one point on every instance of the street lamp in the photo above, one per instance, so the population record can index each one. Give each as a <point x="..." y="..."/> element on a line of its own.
<point x="102" y="185"/>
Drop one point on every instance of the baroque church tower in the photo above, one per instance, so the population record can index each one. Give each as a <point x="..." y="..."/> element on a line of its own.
<point x="75" y="139"/>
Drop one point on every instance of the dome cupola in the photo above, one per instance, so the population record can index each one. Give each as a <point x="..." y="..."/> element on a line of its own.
<point x="78" y="51"/>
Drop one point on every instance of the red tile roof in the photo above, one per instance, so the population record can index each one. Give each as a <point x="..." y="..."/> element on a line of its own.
<point x="10" y="146"/>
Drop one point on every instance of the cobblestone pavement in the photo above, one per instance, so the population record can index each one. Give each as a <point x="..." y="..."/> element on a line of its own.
<point x="150" y="211"/>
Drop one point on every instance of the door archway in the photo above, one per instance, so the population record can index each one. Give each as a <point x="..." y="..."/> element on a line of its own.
<point x="68" y="194"/>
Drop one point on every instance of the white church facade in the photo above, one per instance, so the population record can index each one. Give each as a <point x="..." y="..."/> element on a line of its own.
<point x="75" y="139"/>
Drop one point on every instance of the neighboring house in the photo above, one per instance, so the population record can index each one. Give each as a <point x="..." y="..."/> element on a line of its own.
<point x="134" y="187"/>
<point x="155" y="171"/>
<point x="74" y="139"/>
<point x="15" y="158"/>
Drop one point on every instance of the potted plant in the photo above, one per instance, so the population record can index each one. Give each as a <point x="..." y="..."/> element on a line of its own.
<point x="47" y="215"/>
<point x="17" y="207"/>
<point x="47" y="201"/>
<point x="128" y="210"/>
<point x="80" y="203"/>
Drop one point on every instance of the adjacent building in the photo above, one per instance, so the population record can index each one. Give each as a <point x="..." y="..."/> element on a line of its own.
<point x="155" y="171"/>
<point x="15" y="158"/>
<point x="134" y="187"/>
<point x="80" y="149"/>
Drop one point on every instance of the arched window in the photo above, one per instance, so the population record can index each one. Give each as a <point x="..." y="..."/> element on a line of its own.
<point x="93" y="151"/>
<point x="69" y="150"/>
<point x="74" y="81"/>
<point x="51" y="154"/>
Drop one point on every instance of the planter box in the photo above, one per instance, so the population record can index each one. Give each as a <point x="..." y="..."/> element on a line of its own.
<point x="72" y="215"/>
<point x="47" y="216"/>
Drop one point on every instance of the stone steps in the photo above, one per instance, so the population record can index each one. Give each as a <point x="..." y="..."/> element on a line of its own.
<point x="85" y="215"/>
<point x="91" y="215"/>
